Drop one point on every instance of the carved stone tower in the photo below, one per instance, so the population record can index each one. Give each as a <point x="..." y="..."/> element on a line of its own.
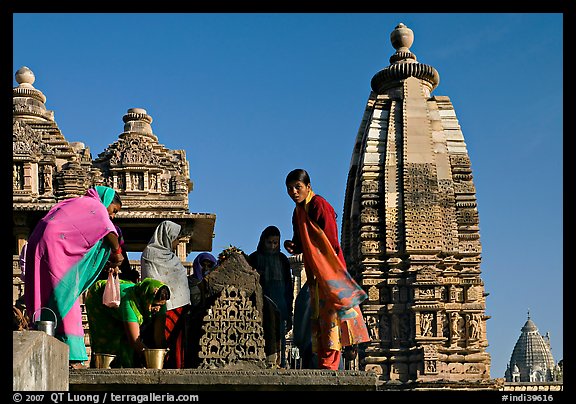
<point x="410" y="229"/>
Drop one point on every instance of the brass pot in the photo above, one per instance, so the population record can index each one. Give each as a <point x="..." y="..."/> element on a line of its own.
<point x="103" y="360"/>
<point x="155" y="357"/>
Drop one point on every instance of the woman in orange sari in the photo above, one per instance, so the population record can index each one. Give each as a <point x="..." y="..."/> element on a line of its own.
<point x="334" y="296"/>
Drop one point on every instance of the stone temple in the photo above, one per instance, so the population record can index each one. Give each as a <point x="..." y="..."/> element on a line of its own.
<point x="410" y="229"/>
<point x="153" y="181"/>
<point x="410" y="233"/>
<point x="531" y="359"/>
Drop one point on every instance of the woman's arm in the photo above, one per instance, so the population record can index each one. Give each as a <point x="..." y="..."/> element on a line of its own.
<point x="159" y="326"/>
<point x="293" y="246"/>
<point x="133" y="333"/>
<point x="116" y="256"/>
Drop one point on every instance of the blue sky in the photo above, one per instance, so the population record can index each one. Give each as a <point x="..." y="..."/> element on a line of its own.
<point x="249" y="97"/>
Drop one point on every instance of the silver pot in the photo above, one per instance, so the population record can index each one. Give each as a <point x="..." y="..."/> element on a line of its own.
<point x="47" y="326"/>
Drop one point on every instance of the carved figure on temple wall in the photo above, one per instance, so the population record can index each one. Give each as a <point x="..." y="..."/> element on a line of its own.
<point x="454" y="331"/>
<point x="426" y="324"/>
<point x="47" y="179"/>
<point x="152" y="182"/>
<point x="135" y="180"/>
<point x="372" y="324"/>
<point x="15" y="177"/>
<point x="395" y="294"/>
<point x="473" y="326"/>
<point x="430" y="366"/>
<point x="395" y="327"/>
<point x="163" y="185"/>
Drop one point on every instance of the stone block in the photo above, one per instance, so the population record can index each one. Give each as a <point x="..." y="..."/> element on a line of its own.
<point x="40" y="362"/>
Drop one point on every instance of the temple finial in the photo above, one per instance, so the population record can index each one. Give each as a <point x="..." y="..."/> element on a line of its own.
<point x="402" y="39"/>
<point x="25" y="76"/>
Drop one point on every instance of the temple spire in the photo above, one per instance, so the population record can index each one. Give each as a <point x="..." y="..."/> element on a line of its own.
<point x="29" y="102"/>
<point x="403" y="64"/>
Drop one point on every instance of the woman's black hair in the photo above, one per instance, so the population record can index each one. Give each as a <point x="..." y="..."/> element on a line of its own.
<point x="163" y="293"/>
<point x="116" y="200"/>
<point x="268" y="232"/>
<point x="298" y="174"/>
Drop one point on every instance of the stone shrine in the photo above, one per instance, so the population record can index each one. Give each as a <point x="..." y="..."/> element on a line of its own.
<point x="531" y="360"/>
<point x="410" y="230"/>
<point x="153" y="181"/>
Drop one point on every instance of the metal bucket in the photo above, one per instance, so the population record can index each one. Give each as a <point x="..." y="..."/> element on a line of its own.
<point x="103" y="360"/>
<point x="47" y="326"/>
<point x="155" y="358"/>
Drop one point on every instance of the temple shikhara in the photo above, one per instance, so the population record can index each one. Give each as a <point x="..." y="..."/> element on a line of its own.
<point x="410" y="229"/>
<point x="410" y="235"/>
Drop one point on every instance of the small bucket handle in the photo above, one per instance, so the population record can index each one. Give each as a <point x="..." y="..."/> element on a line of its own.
<point x="47" y="308"/>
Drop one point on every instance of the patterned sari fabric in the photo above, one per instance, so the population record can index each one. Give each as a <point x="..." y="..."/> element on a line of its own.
<point x="336" y="317"/>
<point x="66" y="252"/>
<point x="174" y="334"/>
<point x="107" y="333"/>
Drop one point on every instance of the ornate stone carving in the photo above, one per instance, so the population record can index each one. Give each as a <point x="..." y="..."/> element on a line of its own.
<point x="233" y="332"/>
<point x="26" y="141"/>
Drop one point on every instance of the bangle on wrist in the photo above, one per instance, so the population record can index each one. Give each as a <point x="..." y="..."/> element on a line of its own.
<point x="119" y="250"/>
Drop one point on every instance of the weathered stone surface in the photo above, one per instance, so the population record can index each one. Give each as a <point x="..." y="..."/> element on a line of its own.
<point x="40" y="362"/>
<point x="220" y="380"/>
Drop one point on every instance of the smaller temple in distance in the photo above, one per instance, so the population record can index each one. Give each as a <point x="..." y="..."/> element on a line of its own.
<point x="531" y="360"/>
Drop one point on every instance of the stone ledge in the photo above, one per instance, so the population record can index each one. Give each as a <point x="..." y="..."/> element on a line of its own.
<point x="220" y="380"/>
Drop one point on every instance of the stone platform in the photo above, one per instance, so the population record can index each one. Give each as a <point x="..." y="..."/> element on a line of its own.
<point x="220" y="380"/>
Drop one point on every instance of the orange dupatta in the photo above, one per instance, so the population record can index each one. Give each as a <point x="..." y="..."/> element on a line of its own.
<point x="333" y="283"/>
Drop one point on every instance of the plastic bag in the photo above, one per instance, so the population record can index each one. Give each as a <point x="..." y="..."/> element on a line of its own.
<point x="111" y="296"/>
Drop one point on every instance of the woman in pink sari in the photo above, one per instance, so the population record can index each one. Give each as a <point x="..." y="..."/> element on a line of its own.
<point x="66" y="252"/>
<point x="336" y="319"/>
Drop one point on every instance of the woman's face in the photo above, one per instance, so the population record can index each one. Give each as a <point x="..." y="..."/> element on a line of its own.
<point x="156" y="306"/>
<point x="113" y="208"/>
<point x="298" y="191"/>
<point x="207" y="266"/>
<point x="272" y="243"/>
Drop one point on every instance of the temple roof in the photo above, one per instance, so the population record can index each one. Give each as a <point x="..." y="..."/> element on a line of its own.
<point x="152" y="180"/>
<point x="532" y="351"/>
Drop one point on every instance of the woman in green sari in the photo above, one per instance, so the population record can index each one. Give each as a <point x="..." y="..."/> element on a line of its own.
<point x="118" y="331"/>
